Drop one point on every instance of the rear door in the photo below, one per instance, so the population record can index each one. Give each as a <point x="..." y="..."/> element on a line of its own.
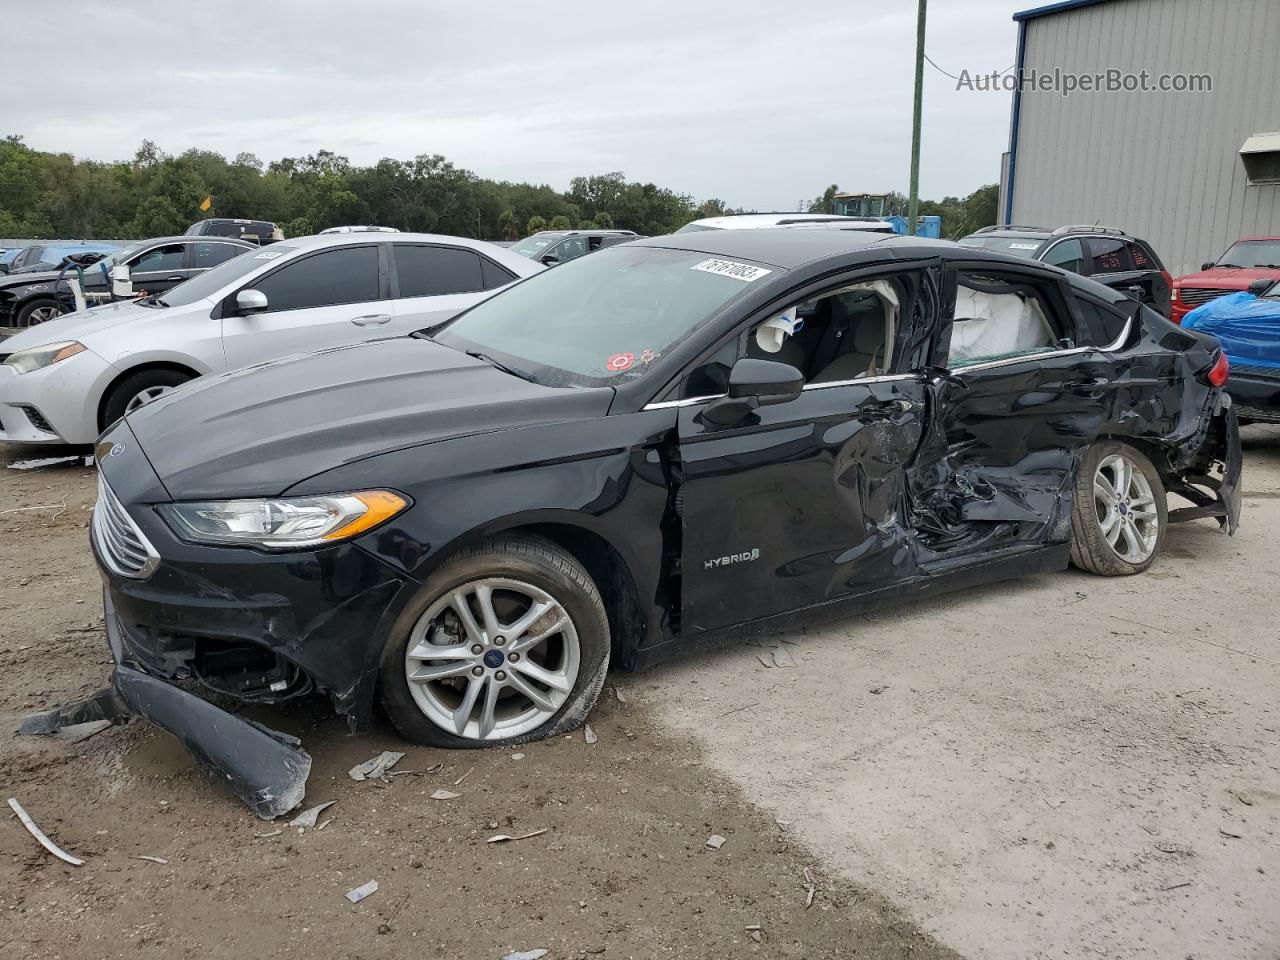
<point x="432" y="282"/>
<point x="156" y="269"/>
<point x="322" y="299"/>
<point x="802" y="502"/>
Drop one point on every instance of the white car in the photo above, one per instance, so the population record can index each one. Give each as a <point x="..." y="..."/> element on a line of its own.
<point x="65" y="380"/>
<point x="761" y="221"/>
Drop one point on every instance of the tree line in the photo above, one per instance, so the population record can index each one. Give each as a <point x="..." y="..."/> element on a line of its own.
<point x="156" y="194"/>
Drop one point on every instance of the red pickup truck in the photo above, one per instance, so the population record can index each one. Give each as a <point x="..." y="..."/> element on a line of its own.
<point x="1249" y="259"/>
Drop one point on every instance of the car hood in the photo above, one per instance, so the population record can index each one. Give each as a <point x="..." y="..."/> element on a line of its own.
<point x="262" y="429"/>
<point x="1228" y="278"/>
<point x="83" y="324"/>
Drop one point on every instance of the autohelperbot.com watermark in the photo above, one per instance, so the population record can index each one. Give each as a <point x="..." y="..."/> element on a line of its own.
<point x="1067" y="83"/>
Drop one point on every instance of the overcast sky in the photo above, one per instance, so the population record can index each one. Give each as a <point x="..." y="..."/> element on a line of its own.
<point x="758" y="103"/>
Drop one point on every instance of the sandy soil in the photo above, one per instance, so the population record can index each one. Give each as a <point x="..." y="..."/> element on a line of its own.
<point x="622" y="870"/>
<point x="1062" y="766"/>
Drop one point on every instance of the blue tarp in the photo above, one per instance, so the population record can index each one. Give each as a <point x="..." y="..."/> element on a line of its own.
<point x="1247" y="326"/>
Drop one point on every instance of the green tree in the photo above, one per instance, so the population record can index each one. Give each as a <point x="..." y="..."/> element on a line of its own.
<point x="560" y="222"/>
<point x="535" y="225"/>
<point x="826" y="202"/>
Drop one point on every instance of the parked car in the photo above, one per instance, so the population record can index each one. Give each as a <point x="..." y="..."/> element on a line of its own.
<point x="1247" y="324"/>
<point x="255" y="231"/>
<point x="42" y="257"/>
<point x="761" y="221"/>
<point x="155" y="265"/>
<point x="1106" y="254"/>
<point x="7" y="257"/>
<point x="1245" y="262"/>
<point x="679" y="439"/>
<point x="67" y="379"/>
<point x="551" y="247"/>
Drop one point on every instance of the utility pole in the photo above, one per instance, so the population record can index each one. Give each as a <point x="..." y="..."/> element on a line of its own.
<point x="913" y="203"/>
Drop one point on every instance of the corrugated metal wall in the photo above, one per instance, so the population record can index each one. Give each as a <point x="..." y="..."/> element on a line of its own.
<point x="1162" y="166"/>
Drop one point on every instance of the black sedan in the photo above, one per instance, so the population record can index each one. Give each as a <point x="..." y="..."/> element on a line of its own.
<point x="676" y="440"/>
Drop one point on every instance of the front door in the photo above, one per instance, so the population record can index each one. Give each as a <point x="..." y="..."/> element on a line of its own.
<point x="156" y="270"/>
<point x="803" y="502"/>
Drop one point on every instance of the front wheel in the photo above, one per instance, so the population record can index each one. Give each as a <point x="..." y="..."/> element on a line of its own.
<point x="1119" y="514"/>
<point x="139" y="388"/>
<point x="507" y="642"/>
<point x="40" y="310"/>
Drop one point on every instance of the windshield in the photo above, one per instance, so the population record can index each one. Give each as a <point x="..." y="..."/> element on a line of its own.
<point x="1252" y="253"/>
<point x="695" y="228"/>
<point x="533" y="246"/>
<point x="601" y="320"/>
<point x="1018" y="246"/>
<point x="229" y="271"/>
<point x="117" y="256"/>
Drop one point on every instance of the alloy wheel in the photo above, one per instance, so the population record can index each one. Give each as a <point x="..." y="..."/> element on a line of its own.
<point x="145" y="396"/>
<point x="43" y="315"/>
<point x="493" y="658"/>
<point x="1126" y="508"/>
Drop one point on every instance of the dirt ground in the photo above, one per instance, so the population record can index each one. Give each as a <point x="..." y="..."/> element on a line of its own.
<point x="621" y="871"/>
<point x="1061" y="766"/>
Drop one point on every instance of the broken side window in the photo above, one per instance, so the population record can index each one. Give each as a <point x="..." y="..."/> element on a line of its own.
<point x="998" y="319"/>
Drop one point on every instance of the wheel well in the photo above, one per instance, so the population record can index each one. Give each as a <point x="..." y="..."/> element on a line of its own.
<point x="133" y="371"/>
<point x="612" y="577"/>
<point x="1157" y="453"/>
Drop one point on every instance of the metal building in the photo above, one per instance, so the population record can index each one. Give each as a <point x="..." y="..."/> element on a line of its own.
<point x="1191" y="172"/>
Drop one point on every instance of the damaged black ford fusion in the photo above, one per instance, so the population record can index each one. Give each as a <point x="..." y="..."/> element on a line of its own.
<point x="678" y="439"/>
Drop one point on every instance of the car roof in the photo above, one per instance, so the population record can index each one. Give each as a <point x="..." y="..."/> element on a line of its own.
<point x="792" y="248"/>
<point x="1263" y="239"/>
<point x="521" y="266"/>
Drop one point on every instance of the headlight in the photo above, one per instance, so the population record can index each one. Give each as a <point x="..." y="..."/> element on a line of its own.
<point x="283" y="522"/>
<point x="34" y="358"/>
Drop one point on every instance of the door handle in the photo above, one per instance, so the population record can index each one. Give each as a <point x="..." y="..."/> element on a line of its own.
<point x="371" y="319"/>
<point x="889" y="408"/>
<point x="1092" y="385"/>
<point x="174" y="279"/>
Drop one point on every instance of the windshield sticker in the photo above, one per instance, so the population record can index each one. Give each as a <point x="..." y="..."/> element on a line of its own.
<point x="730" y="268"/>
<point x="1024" y="246"/>
<point x="619" y="362"/>
<point x="269" y="255"/>
<point x="648" y="356"/>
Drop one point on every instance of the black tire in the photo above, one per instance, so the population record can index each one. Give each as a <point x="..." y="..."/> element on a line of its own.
<point x="532" y="560"/>
<point x="41" y="304"/>
<point x="119" y="396"/>
<point x="1089" y="547"/>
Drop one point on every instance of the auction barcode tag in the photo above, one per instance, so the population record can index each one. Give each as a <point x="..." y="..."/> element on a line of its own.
<point x="731" y="268"/>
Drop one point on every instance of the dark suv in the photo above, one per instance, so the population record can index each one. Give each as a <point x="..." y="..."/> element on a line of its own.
<point x="550" y="247"/>
<point x="1106" y="254"/>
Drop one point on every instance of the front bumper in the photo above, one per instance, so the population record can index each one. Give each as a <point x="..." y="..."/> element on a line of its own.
<point x="1256" y="392"/>
<point x="57" y="404"/>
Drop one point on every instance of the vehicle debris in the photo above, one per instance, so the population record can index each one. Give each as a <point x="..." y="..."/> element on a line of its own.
<point x="362" y="891"/>
<point x="160" y="860"/>
<point x="617" y="692"/>
<point x="458" y="782"/>
<point x="503" y="838"/>
<point x="755" y="932"/>
<point x="77" y="732"/>
<point x="520" y="756"/>
<point x="589" y="735"/>
<point x="308" y="818"/>
<point x="810" y="889"/>
<point x="435" y="767"/>
<point x="715" y="842"/>
<point x="526" y="955"/>
<point x="39" y="462"/>
<point x="782" y="657"/>
<point x="375" y="769"/>
<point x="264" y="836"/>
<point x="445" y="795"/>
<point x="40" y="836"/>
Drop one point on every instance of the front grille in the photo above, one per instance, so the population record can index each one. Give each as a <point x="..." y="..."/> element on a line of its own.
<point x="1194" y="296"/>
<point x="122" y="546"/>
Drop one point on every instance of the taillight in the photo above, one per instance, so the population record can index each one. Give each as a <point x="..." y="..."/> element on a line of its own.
<point x="1220" y="372"/>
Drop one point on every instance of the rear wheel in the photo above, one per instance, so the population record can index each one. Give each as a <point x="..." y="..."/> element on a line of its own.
<point x="40" y="310"/>
<point x="507" y="642"/>
<point x="139" y="388"/>
<point x="1119" y="513"/>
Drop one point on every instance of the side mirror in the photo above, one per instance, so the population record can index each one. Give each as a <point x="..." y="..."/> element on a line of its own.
<point x="249" y="302"/>
<point x="550" y="260"/>
<point x="1260" y="286"/>
<point x="121" y="282"/>
<point x="1208" y="265"/>
<point x="755" y="383"/>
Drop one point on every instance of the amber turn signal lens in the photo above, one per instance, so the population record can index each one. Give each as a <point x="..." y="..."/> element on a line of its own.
<point x="381" y="505"/>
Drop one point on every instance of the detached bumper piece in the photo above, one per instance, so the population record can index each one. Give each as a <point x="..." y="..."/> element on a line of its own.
<point x="266" y="769"/>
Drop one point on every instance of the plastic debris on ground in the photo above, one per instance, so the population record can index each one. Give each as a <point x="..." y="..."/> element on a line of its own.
<point x="39" y="834"/>
<point x="375" y="769"/>
<point x="308" y="818"/>
<point x="526" y="955"/>
<point x="445" y="795"/>
<point x="503" y="838"/>
<point x="160" y="860"/>
<point x="590" y="735"/>
<point x="39" y="462"/>
<point x="715" y="842"/>
<point x="782" y="658"/>
<point x="81" y="731"/>
<point x="362" y="891"/>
